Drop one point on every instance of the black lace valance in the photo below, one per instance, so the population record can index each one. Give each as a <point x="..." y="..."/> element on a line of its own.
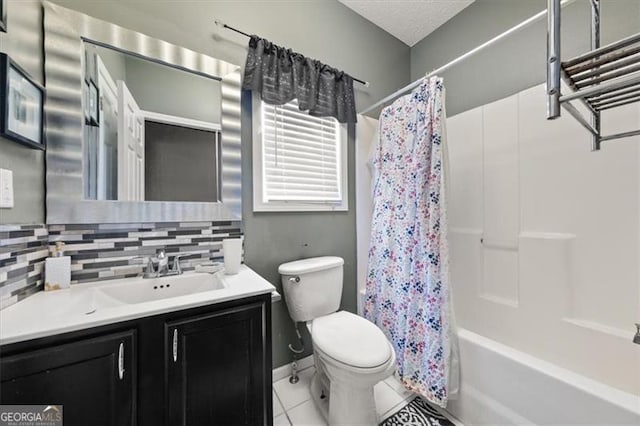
<point x="280" y="75"/>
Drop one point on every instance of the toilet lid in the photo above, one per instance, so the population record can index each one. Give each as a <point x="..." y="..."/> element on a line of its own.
<point x="351" y="340"/>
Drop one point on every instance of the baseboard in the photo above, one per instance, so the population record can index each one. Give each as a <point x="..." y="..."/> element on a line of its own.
<point x="285" y="371"/>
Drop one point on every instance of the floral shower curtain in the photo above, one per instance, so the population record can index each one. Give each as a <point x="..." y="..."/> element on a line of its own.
<point x="407" y="286"/>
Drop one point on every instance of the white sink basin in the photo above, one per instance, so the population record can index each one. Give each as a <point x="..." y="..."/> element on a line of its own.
<point x="150" y="289"/>
<point x="84" y="306"/>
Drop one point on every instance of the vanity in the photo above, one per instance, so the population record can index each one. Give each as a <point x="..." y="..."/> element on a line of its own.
<point x="133" y="170"/>
<point x="126" y="353"/>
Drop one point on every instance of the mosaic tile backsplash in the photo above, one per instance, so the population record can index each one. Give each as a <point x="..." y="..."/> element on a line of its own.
<point x="103" y="251"/>
<point x="23" y="249"/>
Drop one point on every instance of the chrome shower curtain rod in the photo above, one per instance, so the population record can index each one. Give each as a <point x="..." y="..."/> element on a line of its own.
<point x="461" y="58"/>
<point x="223" y="25"/>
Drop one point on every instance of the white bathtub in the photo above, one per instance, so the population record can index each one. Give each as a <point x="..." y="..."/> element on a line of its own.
<point x="501" y="386"/>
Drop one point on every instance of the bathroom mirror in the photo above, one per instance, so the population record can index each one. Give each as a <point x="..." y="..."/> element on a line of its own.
<point x="138" y="129"/>
<point x="153" y="133"/>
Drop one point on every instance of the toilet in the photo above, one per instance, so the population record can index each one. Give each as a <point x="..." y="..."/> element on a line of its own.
<point x="351" y="354"/>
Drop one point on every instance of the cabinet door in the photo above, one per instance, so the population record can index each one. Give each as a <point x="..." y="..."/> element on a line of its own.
<point x="216" y="368"/>
<point x="93" y="379"/>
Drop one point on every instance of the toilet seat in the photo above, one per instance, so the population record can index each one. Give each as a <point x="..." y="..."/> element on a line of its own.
<point x="351" y="340"/>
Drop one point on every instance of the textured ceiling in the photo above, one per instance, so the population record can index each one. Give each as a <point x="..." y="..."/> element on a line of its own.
<point x="407" y="20"/>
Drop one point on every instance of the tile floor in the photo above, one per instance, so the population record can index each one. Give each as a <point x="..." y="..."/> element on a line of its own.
<point x="292" y="404"/>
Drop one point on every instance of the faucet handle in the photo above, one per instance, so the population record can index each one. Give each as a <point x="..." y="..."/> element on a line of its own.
<point x="176" y="263"/>
<point x="161" y="256"/>
<point x="150" y="264"/>
<point x="163" y="261"/>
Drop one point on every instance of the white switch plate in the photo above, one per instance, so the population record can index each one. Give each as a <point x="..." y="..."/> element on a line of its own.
<point x="6" y="189"/>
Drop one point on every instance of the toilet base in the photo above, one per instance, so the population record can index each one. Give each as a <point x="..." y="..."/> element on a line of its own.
<point x="341" y="398"/>
<point x="342" y="406"/>
<point x="319" y="395"/>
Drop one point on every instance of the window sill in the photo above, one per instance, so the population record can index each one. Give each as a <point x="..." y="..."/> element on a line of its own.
<point x="300" y="208"/>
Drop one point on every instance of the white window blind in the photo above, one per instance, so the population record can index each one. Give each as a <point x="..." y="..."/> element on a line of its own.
<point x="301" y="156"/>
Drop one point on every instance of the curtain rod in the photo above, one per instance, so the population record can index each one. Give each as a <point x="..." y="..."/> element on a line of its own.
<point x="223" y="25"/>
<point x="462" y="57"/>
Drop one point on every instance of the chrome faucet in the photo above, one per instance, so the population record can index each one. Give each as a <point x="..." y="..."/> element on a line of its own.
<point x="163" y="263"/>
<point x="158" y="266"/>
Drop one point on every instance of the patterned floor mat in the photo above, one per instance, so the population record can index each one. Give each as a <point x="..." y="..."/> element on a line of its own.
<point x="417" y="413"/>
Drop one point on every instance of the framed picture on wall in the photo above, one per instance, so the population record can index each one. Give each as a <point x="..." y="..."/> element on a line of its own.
<point x="3" y="15"/>
<point x="21" y="105"/>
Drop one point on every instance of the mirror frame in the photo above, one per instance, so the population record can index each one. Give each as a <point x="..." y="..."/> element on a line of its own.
<point x="65" y="31"/>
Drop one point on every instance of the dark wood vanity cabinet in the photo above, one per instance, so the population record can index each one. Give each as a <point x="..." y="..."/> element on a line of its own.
<point x="203" y="366"/>
<point x="216" y="368"/>
<point x="94" y="379"/>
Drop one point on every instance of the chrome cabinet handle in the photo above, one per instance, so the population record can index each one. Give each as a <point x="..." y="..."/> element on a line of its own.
<point x="121" y="361"/>
<point x="175" y="344"/>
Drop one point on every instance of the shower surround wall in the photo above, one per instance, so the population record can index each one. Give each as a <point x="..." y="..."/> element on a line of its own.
<point x="557" y="277"/>
<point x="545" y="236"/>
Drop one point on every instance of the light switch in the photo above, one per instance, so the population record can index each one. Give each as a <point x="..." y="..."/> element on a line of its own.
<point x="6" y="189"/>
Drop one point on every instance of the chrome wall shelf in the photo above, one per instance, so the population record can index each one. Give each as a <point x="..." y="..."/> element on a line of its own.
<point x="601" y="79"/>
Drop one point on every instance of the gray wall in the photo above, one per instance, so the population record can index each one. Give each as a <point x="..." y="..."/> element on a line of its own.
<point x="325" y="30"/>
<point x="274" y="238"/>
<point x="23" y="42"/>
<point x="322" y="29"/>
<point x="518" y="62"/>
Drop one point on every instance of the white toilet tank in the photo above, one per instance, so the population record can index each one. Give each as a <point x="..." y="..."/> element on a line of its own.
<point x="312" y="287"/>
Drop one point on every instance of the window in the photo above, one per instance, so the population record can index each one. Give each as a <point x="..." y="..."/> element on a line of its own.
<point x="299" y="161"/>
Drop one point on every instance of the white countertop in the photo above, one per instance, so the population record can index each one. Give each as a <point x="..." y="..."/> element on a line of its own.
<point x="61" y="311"/>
